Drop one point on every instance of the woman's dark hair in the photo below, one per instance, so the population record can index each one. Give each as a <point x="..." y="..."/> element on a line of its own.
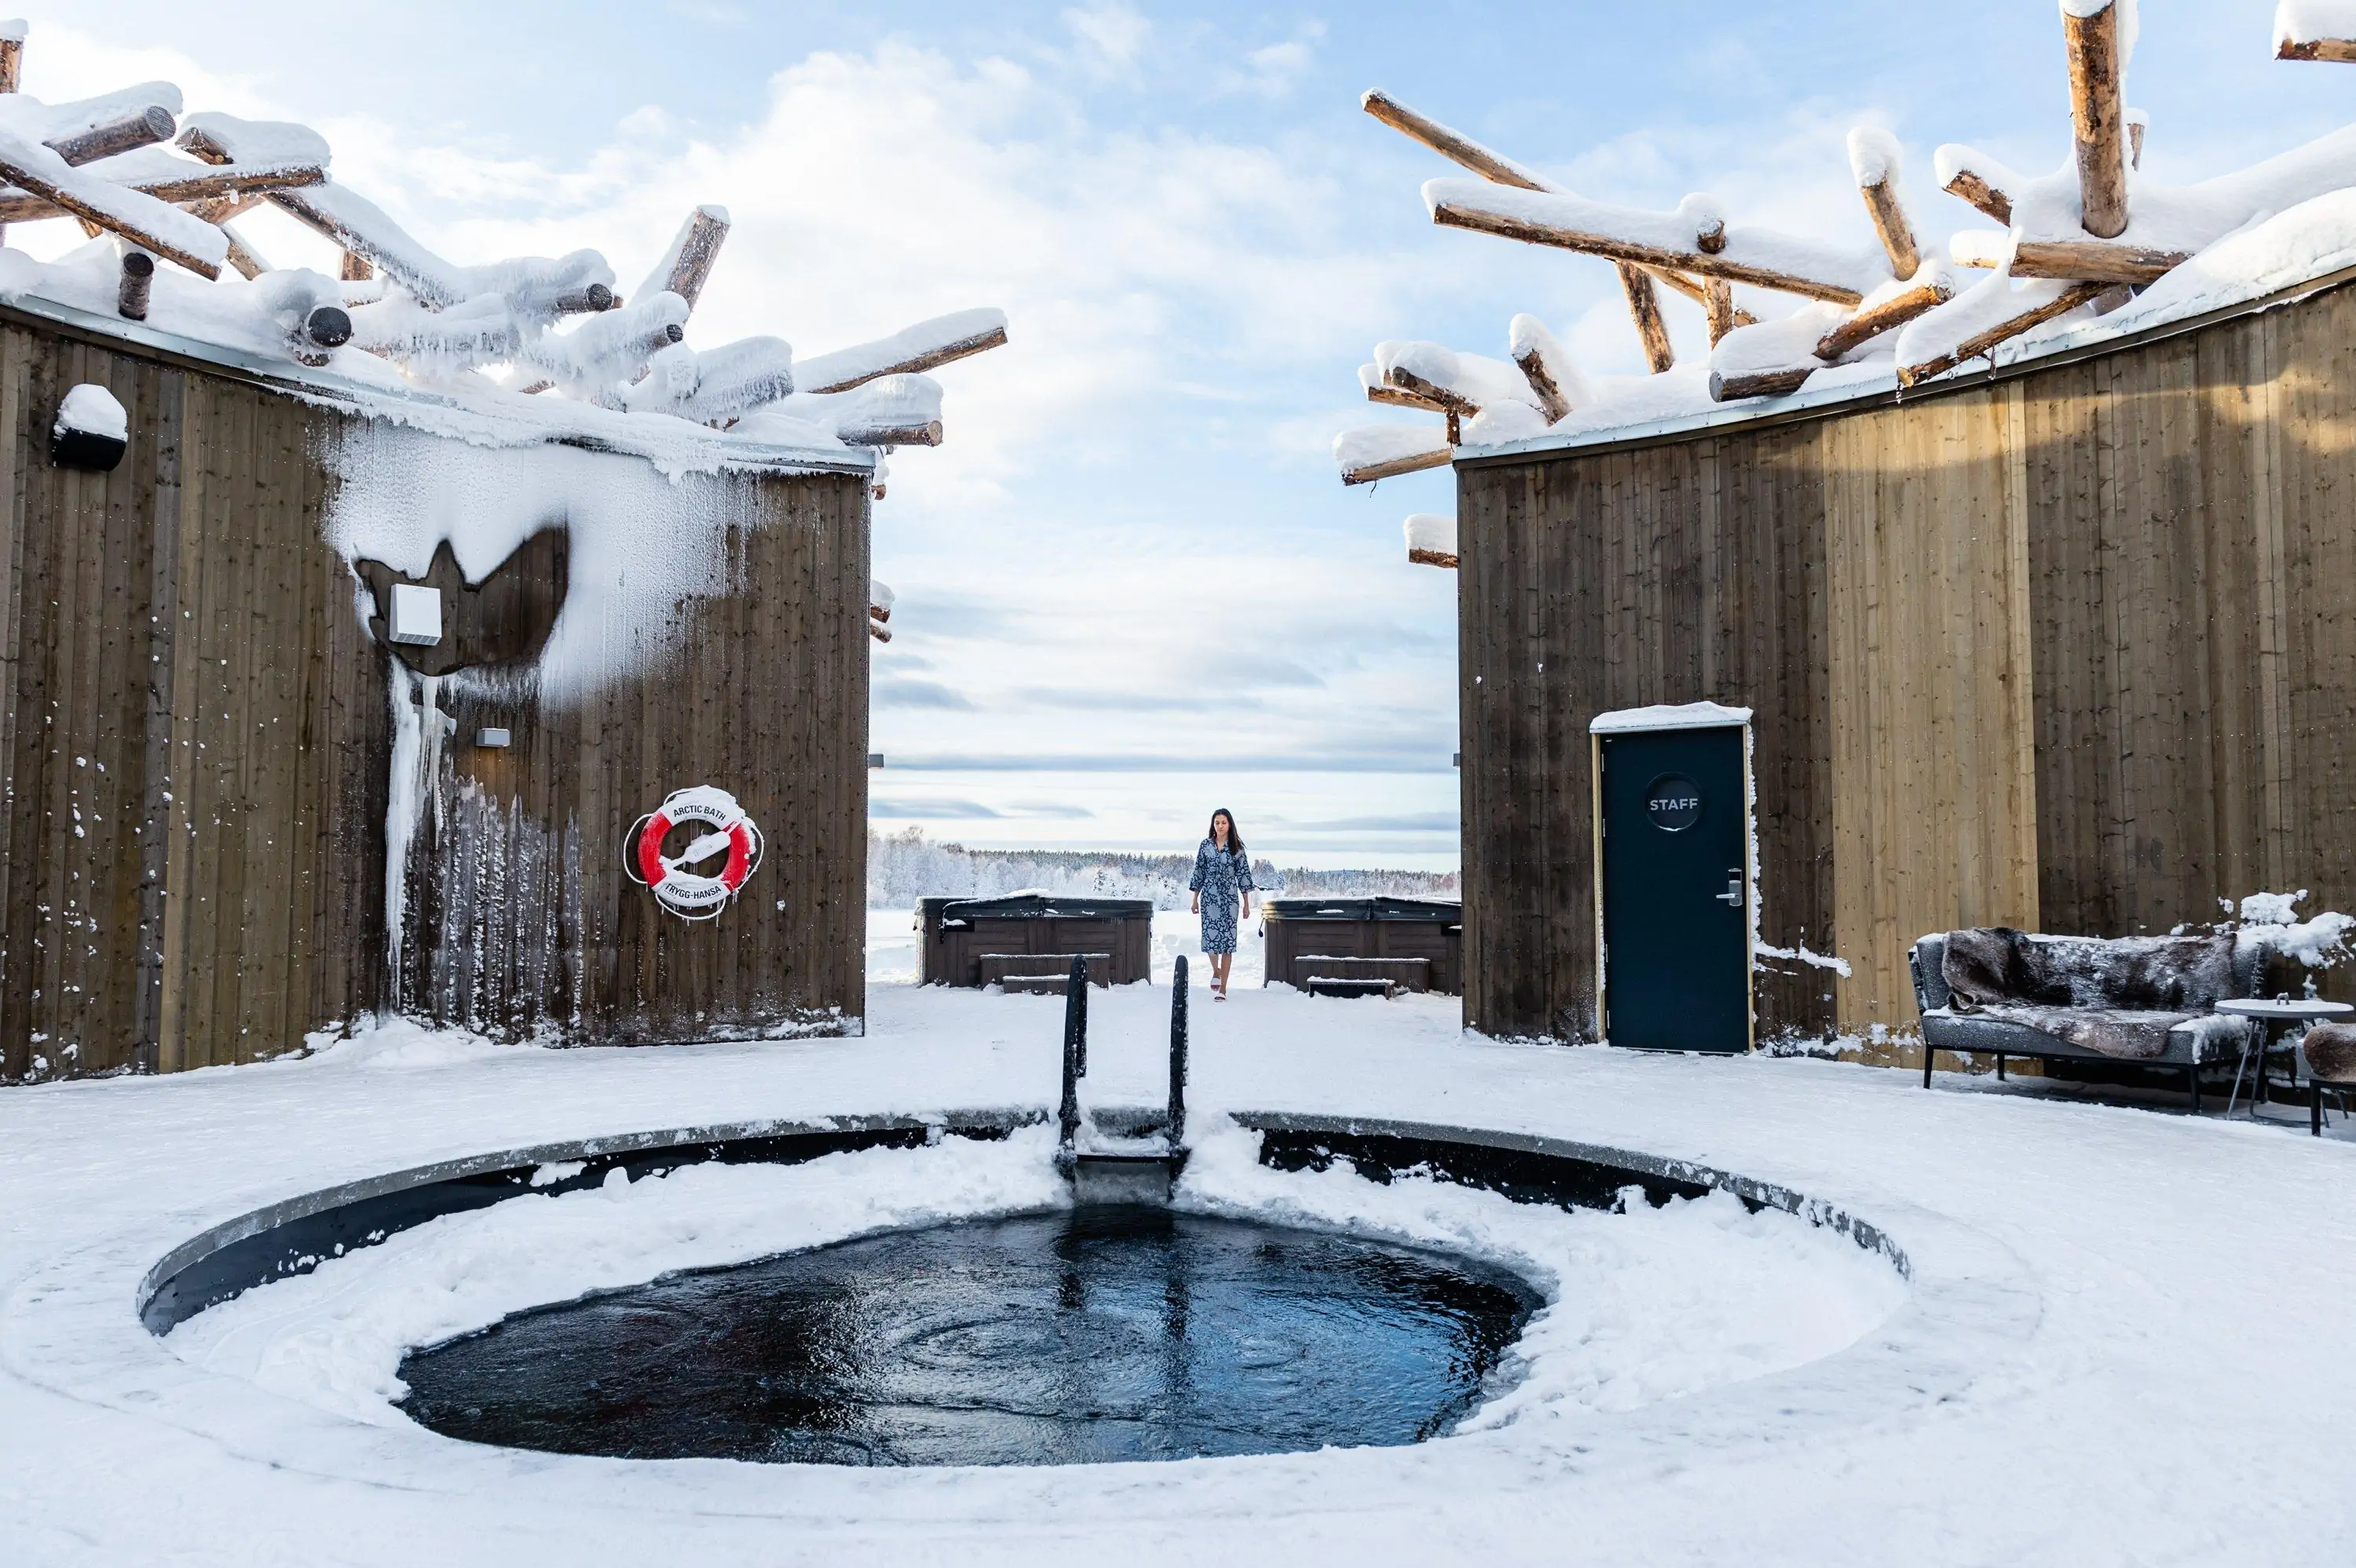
<point x="1235" y="834"/>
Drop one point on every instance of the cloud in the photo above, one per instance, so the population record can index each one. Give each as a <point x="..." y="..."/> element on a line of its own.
<point x="1271" y="72"/>
<point x="921" y="810"/>
<point x="1412" y="822"/>
<point x="897" y="692"/>
<point x="1111" y="35"/>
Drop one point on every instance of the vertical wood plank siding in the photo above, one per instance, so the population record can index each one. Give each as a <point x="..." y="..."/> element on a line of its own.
<point x="2073" y="651"/>
<point x="196" y="735"/>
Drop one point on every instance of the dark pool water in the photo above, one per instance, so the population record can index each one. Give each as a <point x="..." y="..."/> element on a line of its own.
<point x="1098" y="1335"/>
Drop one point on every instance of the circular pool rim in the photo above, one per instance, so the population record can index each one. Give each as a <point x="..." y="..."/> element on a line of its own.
<point x="294" y="1235"/>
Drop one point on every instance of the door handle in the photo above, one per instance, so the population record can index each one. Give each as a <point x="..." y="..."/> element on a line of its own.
<point x="1733" y="894"/>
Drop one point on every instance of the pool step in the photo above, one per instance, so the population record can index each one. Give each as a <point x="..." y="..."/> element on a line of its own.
<point x="1123" y="1178"/>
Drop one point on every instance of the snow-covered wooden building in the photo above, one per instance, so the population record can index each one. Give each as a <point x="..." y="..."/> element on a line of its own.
<point x="2033" y="562"/>
<point x="458" y="641"/>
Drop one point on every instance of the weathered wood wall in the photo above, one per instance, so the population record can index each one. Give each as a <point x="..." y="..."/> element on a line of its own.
<point x="523" y="918"/>
<point x="196" y="737"/>
<point x="192" y="727"/>
<point x="2071" y="650"/>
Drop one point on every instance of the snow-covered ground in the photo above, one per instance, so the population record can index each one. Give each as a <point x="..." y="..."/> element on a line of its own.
<point x="2118" y="1342"/>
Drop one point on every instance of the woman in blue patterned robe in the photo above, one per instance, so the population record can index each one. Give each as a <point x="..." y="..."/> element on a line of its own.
<point x="1222" y="871"/>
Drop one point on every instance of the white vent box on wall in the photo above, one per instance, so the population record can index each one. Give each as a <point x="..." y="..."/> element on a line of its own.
<point x="416" y="614"/>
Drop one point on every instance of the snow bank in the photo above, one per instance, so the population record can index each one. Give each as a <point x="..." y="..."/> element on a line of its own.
<point x="333" y="1337"/>
<point x="1643" y="1305"/>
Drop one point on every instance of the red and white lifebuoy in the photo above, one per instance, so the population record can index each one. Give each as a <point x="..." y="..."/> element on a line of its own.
<point x="694" y="895"/>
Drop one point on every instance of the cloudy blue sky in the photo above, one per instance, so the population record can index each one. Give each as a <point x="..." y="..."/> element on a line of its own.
<point x="1130" y="587"/>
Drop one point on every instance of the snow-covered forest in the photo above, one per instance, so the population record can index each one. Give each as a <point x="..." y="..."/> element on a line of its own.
<point x="907" y="865"/>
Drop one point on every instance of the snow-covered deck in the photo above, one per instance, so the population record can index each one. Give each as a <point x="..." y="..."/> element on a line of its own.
<point x="2120" y="1342"/>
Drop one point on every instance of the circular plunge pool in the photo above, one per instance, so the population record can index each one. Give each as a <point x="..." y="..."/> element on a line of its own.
<point x="1082" y="1336"/>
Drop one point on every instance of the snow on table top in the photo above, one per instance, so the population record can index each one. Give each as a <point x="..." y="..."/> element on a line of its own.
<point x="2078" y="1322"/>
<point x="1667" y="715"/>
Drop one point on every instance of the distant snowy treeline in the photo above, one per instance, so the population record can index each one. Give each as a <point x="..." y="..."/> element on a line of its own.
<point x="907" y="865"/>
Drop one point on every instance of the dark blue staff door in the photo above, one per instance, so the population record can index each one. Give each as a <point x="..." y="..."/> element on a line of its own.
<point x="1674" y="889"/>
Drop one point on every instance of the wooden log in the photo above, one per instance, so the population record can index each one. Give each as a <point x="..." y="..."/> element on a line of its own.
<point x="1971" y="188"/>
<point x="1453" y="145"/>
<point x="1446" y="399"/>
<point x="925" y="433"/>
<point x="2340" y="51"/>
<point x="880" y="612"/>
<point x="1889" y="223"/>
<point x="1455" y="214"/>
<point x="1414" y="463"/>
<point x="203" y="186"/>
<point x="1644" y="306"/>
<point x="2098" y="118"/>
<point x="2137" y="123"/>
<point x="593" y="300"/>
<point x="880" y="633"/>
<point x="138" y="279"/>
<point x="2113" y="298"/>
<point x="12" y="63"/>
<point x="1717" y="304"/>
<point x="1889" y="314"/>
<point x="1551" y="403"/>
<point x="1724" y="389"/>
<point x="94" y="221"/>
<point x="248" y="262"/>
<point x="2094" y="261"/>
<point x="355" y="268"/>
<point x="1698" y="291"/>
<point x="697" y="251"/>
<point x="1431" y="558"/>
<point x="1396" y="398"/>
<point x="1973" y="347"/>
<point x="911" y="365"/>
<point x="143" y="128"/>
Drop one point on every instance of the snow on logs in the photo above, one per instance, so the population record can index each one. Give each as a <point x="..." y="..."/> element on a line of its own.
<point x="910" y="351"/>
<point x="1636" y="283"/>
<point x="1875" y="159"/>
<point x="2313" y="30"/>
<point x="1971" y="176"/>
<point x="1385" y="451"/>
<point x="879" y="609"/>
<point x="1695" y="238"/>
<point x="168" y="186"/>
<point x="30" y="162"/>
<point x="2080" y="241"/>
<point x="1984" y="316"/>
<point x="692" y="255"/>
<point x="1432" y="539"/>
<point x="1553" y="380"/>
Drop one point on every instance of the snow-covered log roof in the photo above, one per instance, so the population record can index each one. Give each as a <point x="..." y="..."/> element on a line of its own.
<point x="148" y="184"/>
<point x="2094" y="249"/>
